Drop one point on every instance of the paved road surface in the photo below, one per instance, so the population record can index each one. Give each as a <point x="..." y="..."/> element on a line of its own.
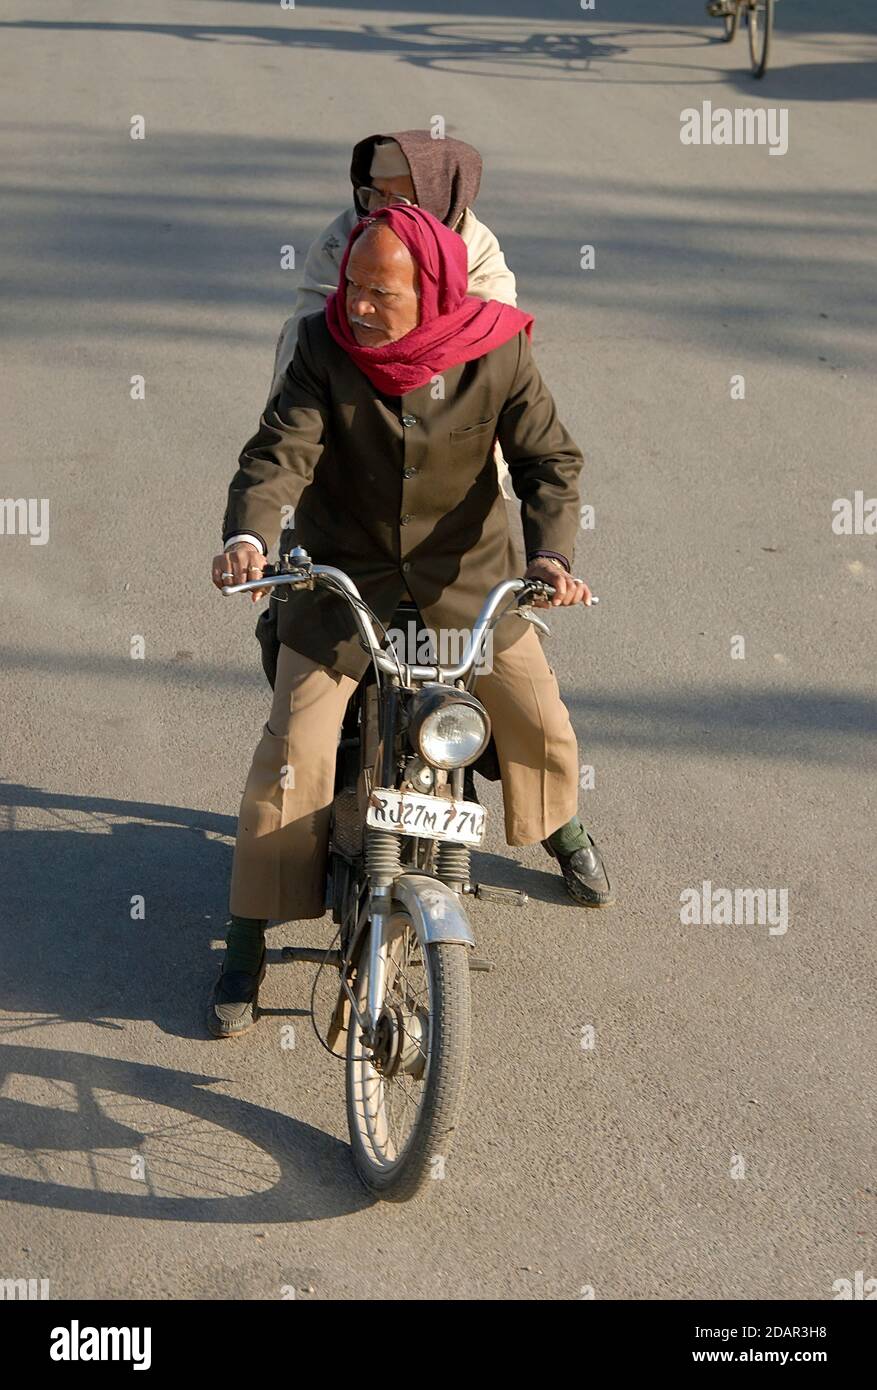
<point x="608" y="1167"/>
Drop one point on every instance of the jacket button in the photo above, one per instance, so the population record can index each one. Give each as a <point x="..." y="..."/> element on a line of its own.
<point x="404" y="520"/>
<point x="406" y="567"/>
<point x="408" y="472"/>
<point x="409" y="420"/>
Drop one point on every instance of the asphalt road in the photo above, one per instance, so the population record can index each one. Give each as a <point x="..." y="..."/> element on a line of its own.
<point x="718" y="1049"/>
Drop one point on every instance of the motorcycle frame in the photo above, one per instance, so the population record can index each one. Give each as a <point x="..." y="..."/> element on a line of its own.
<point x="434" y="908"/>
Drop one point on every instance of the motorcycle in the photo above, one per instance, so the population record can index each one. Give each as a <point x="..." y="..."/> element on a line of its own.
<point x="403" y="823"/>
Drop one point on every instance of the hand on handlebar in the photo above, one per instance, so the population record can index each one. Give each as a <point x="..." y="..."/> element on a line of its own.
<point x="567" y="589"/>
<point x="241" y="563"/>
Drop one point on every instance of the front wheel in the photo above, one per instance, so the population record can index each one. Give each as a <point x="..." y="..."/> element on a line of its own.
<point x="760" y="22"/>
<point x="405" y="1087"/>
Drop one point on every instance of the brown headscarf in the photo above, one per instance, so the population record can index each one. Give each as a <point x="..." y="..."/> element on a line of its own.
<point x="446" y="173"/>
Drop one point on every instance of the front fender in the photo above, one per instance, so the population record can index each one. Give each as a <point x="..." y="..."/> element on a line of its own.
<point x="436" y="911"/>
<point x="437" y="914"/>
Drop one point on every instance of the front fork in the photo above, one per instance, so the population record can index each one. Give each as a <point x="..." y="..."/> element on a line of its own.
<point x="433" y="905"/>
<point x="383" y="862"/>
<point x="377" y="962"/>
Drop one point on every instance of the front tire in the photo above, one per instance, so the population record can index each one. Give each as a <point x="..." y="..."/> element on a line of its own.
<point x="402" y="1124"/>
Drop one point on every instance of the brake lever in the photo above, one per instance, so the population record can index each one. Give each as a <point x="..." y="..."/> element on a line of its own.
<point x="540" y="588"/>
<point x="526" y="612"/>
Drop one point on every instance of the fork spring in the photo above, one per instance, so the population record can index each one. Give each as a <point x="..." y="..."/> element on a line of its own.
<point x="453" y="863"/>
<point x="382" y="856"/>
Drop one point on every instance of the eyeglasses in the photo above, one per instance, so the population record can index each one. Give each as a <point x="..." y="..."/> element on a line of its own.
<point x="373" y="198"/>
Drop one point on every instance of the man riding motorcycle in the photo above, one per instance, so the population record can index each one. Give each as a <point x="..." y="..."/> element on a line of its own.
<point x="380" y="442"/>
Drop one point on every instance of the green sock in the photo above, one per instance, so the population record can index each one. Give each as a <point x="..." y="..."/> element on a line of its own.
<point x="569" y="837"/>
<point x="245" y="942"/>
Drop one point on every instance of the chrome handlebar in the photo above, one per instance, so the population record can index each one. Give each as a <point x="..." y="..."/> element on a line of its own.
<point x="336" y="579"/>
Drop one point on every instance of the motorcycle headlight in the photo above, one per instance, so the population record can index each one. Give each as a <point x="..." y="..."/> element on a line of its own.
<point x="449" y="728"/>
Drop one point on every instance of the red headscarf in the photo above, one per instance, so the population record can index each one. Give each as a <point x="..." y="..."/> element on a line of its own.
<point x="454" y="326"/>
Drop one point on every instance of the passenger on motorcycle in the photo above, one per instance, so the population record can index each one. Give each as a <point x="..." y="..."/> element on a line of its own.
<point x="407" y="167"/>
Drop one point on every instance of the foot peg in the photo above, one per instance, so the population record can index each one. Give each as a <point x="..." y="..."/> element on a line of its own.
<point x="512" y="897"/>
<point x="314" y="955"/>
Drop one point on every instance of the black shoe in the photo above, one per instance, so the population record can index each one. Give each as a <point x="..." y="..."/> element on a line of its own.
<point x="234" y="1003"/>
<point x="584" y="875"/>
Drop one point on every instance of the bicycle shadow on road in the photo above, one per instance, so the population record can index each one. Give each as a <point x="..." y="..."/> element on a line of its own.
<point x="118" y="1138"/>
<point x="518" y="47"/>
<point x="74" y="1127"/>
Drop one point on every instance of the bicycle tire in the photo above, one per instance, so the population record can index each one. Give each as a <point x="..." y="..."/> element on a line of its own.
<point x="760" y="25"/>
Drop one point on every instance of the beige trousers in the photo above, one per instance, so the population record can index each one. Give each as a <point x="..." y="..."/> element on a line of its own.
<point x="279" y="869"/>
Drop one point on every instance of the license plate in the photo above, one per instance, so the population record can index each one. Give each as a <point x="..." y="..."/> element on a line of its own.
<point x="428" y="817"/>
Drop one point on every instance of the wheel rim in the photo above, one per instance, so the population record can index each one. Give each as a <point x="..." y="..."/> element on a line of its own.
<point x="758" y="22"/>
<point x="389" y="1083"/>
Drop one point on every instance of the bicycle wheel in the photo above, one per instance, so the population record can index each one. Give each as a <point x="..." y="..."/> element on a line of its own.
<point x="405" y="1092"/>
<point x="760" y="20"/>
